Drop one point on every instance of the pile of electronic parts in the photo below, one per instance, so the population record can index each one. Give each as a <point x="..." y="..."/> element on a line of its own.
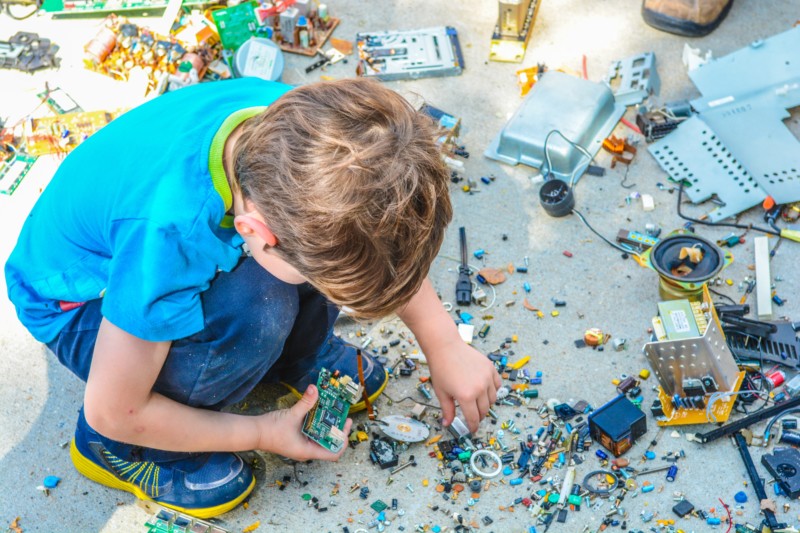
<point x="121" y="46"/>
<point x="28" y="52"/>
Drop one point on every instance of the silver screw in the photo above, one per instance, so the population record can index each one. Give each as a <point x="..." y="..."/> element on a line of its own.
<point x="411" y="462"/>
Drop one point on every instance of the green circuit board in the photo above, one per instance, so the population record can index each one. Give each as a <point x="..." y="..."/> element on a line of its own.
<point x="324" y="423"/>
<point x="13" y="170"/>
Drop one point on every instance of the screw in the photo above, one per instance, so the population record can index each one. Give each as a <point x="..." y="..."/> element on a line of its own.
<point x="411" y="462"/>
<point x="409" y="487"/>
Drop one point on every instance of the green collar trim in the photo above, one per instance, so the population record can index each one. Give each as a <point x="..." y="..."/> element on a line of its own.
<point x="215" y="167"/>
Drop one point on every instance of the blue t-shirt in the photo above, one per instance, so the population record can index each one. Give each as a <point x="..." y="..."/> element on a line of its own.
<point x="137" y="215"/>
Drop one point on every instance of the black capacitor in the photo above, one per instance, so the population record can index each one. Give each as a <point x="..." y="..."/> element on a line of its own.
<point x="790" y="437"/>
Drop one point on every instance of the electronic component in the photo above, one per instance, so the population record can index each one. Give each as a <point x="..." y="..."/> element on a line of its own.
<point x="59" y="101"/>
<point x="13" y="170"/>
<point x="678" y="319"/>
<point x="28" y="52"/>
<point x="617" y="424"/>
<point x="638" y="240"/>
<point x="382" y="454"/>
<point x="513" y="30"/>
<point x="682" y="508"/>
<point x="119" y="47"/>
<point x="60" y="134"/>
<point x="324" y="423"/>
<point x="404" y="429"/>
<point x="464" y="284"/>
<point x="299" y="31"/>
<point x="169" y="521"/>
<point x="402" y="55"/>
<point x="60" y="8"/>
<point x="784" y="465"/>
<point x="696" y="372"/>
<point x="755" y="340"/>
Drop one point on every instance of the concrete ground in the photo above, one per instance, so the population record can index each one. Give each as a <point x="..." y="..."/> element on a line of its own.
<point x="39" y="399"/>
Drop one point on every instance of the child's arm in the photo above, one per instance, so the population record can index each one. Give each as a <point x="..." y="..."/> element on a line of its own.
<point x="460" y="373"/>
<point x="120" y="404"/>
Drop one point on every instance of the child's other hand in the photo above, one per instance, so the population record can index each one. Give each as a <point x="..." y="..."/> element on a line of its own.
<point x="280" y="432"/>
<point x="461" y="373"/>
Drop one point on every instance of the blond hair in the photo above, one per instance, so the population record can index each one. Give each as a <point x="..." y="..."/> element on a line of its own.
<point x="348" y="176"/>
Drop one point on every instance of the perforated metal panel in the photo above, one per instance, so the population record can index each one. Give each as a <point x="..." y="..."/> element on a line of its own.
<point x="696" y="155"/>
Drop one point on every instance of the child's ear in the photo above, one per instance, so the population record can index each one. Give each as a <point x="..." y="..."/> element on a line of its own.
<point x="247" y="225"/>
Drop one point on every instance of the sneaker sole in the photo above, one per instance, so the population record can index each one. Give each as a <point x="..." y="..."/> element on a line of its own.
<point x="356" y="407"/>
<point x="91" y="470"/>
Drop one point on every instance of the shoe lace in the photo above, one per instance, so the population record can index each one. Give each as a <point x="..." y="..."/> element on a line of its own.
<point x="145" y="474"/>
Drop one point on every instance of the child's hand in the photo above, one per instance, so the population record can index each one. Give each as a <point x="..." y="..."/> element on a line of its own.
<point x="280" y="432"/>
<point x="461" y="373"/>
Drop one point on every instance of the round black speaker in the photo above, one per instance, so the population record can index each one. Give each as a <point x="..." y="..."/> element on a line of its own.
<point x="665" y="258"/>
<point x="556" y="198"/>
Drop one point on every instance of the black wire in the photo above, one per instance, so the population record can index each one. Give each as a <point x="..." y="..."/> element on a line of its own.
<point x="413" y="400"/>
<point x="613" y="245"/>
<point x="722" y="224"/>
<point x="731" y="300"/>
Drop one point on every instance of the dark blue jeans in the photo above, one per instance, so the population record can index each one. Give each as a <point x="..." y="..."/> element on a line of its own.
<point x="257" y="328"/>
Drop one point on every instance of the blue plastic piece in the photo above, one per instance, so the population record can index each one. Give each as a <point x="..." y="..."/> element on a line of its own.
<point x="51" y="482"/>
<point x="740" y="497"/>
<point x="507" y="471"/>
<point x="535" y="381"/>
<point x="436" y="529"/>
<point x="648" y="488"/>
<point x="516" y="481"/>
<point x="713" y="521"/>
<point x="649" y="455"/>
<point x="466" y="318"/>
<point x="532" y="529"/>
<point x="539" y="373"/>
<point x="479" y="253"/>
<point x="381" y="516"/>
<point x="526" y="286"/>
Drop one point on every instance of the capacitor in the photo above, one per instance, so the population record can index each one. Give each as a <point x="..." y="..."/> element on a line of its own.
<point x="601" y="454"/>
<point x="671" y="473"/>
<point x="790" y="437"/>
<point x="775" y="379"/>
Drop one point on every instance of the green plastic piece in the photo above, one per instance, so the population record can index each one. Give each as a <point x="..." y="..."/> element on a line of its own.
<point x="574" y="499"/>
<point x="378" y="506"/>
<point x="553" y="497"/>
<point x="464" y="456"/>
<point x="306" y="497"/>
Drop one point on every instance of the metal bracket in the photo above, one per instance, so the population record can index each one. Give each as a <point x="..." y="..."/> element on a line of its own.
<point x="672" y="361"/>
<point x="636" y="77"/>
<point x="695" y="155"/>
<point x="738" y="148"/>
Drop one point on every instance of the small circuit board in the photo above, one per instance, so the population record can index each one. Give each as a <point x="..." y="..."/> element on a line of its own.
<point x="59" y="101"/>
<point x="61" y="133"/>
<point x="64" y="8"/>
<point x="169" y="521"/>
<point x="404" y="55"/>
<point x="13" y="170"/>
<point x="298" y="29"/>
<point x="324" y="423"/>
